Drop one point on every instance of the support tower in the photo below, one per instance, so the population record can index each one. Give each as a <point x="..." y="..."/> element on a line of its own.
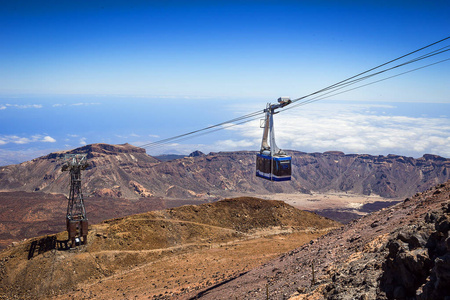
<point x="76" y="220"/>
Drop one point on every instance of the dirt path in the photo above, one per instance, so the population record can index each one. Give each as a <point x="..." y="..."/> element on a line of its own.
<point x="186" y="222"/>
<point x="177" y="274"/>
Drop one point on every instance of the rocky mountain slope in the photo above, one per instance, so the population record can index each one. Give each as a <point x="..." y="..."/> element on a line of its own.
<point x="402" y="252"/>
<point x="142" y="248"/>
<point x="128" y="172"/>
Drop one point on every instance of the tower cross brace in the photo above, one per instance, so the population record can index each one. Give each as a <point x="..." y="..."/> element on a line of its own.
<point x="76" y="220"/>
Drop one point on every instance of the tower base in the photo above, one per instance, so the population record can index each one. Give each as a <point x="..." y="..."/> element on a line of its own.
<point x="78" y="231"/>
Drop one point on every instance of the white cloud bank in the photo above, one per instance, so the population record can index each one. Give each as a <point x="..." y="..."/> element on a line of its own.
<point x="352" y="129"/>
<point x="364" y="128"/>
<point x="20" y="140"/>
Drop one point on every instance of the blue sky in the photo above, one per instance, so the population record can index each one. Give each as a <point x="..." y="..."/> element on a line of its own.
<point x="75" y="73"/>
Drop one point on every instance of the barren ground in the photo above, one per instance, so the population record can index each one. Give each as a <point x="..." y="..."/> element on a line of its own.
<point x="176" y="274"/>
<point x="319" y="201"/>
<point x="350" y="262"/>
<point x="167" y="254"/>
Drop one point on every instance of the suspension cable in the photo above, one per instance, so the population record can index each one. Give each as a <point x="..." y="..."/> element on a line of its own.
<point x="367" y="71"/>
<point x="319" y="95"/>
<point x="354" y="81"/>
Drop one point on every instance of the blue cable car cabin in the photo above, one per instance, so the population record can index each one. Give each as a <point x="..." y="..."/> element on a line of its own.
<point x="272" y="163"/>
<point x="273" y="168"/>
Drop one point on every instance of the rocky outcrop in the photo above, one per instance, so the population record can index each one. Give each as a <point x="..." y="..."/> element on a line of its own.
<point x="413" y="262"/>
<point x="418" y="262"/>
<point x="196" y="153"/>
<point x="139" y="189"/>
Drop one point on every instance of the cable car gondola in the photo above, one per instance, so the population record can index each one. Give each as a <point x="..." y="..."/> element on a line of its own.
<point x="272" y="163"/>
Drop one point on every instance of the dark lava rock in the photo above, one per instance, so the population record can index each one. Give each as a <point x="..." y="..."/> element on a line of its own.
<point x="418" y="263"/>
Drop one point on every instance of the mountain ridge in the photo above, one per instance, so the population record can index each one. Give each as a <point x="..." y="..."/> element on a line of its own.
<point x="127" y="171"/>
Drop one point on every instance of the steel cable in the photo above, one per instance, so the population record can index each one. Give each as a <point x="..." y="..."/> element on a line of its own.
<point x="319" y="95"/>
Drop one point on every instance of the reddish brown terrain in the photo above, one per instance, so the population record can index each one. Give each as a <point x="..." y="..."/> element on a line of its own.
<point x="402" y="252"/>
<point x="26" y="215"/>
<point x="123" y="180"/>
<point x="160" y="254"/>
<point x="240" y="248"/>
<point x="216" y="249"/>
<point x="128" y="172"/>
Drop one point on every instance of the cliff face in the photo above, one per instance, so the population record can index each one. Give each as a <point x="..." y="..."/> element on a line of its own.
<point x="388" y="176"/>
<point x="127" y="171"/>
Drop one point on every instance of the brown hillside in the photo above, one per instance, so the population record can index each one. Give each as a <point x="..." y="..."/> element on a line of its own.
<point x="246" y="213"/>
<point x="151" y="240"/>
<point x="220" y="221"/>
<point x="401" y="252"/>
<point x="26" y="215"/>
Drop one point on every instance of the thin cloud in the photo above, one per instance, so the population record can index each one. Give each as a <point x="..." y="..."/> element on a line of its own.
<point x="20" y="106"/>
<point x="21" y="140"/>
<point x="230" y="145"/>
<point x="131" y="135"/>
<point x="48" y="139"/>
<point x="76" y="104"/>
<point x="84" y="104"/>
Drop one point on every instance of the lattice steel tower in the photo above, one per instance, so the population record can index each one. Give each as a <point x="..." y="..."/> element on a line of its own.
<point x="76" y="220"/>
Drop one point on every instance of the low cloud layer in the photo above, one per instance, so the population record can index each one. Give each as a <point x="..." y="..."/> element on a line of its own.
<point x="356" y="129"/>
<point x="352" y="128"/>
<point x="410" y="129"/>
<point x="8" y="157"/>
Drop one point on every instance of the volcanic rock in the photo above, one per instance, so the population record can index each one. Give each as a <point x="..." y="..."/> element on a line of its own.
<point x="225" y="174"/>
<point x="406" y="256"/>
